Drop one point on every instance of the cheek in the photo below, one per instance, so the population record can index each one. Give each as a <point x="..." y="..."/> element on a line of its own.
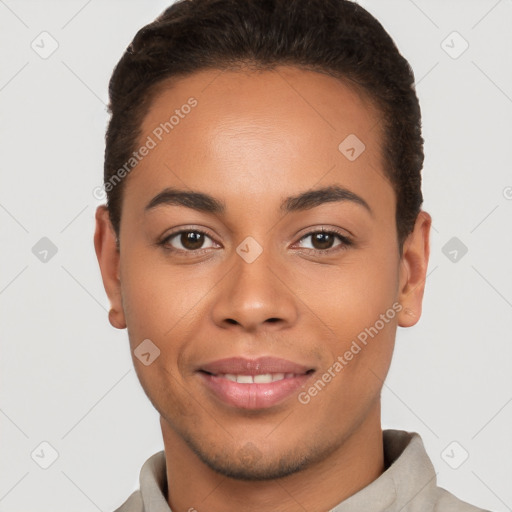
<point x="345" y="299"/>
<point x="355" y="308"/>
<point x="160" y="300"/>
<point x="165" y="390"/>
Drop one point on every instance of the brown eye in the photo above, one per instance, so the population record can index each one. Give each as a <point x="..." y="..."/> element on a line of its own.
<point x="192" y="240"/>
<point x="323" y="241"/>
<point x="187" y="241"/>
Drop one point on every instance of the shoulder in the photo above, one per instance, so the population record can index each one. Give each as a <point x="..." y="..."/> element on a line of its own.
<point x="132" y="504"/>
<point x="153" y="486"/>
<point x="447" y="502"/>
<point x="410" y="480"/>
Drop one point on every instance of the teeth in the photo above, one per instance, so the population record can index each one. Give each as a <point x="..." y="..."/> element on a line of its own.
<point x="265" y="378"/>
<point x="244" y="379"/>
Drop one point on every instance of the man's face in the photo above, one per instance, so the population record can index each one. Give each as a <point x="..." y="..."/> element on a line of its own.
<point x="252" y="141"/>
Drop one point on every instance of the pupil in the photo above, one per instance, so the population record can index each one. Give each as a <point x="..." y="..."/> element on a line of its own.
<point x="192" y="240"/>
<point x="324" y="239"/>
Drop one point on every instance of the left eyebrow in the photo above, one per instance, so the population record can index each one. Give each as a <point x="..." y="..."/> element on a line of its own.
<point x="209" y="204"/>
<point x="319" y="196"/>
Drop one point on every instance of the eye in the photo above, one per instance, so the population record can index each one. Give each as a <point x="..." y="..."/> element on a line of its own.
<point x="192" y="241"/>
<point x="322" y="241"/>
<point x="189" y="240"/>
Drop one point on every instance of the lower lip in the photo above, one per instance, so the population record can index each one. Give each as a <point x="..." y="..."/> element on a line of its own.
<point x="253" y="396"/>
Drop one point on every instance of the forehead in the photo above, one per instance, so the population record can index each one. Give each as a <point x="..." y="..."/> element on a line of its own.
<point x="260" y="133"/>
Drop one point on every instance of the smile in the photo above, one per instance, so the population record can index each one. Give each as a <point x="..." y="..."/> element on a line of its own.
<point x="253" y="383"/>
<point x="263" y="378"/>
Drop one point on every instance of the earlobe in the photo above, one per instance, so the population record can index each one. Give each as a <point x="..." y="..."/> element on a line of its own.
<point x="109" y="258"/>
<point x="116" y="319"/>
<point x="413" y="271"/>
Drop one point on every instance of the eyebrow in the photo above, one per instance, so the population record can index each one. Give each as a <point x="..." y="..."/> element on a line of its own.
<point x="304" y="201"/>
<point x="317" y="197"/>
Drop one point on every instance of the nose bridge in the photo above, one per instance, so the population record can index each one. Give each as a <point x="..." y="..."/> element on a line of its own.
<point x="253" y="292"/>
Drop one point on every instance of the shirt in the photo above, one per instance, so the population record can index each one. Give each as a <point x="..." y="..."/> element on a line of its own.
<point x="408" y="484"/>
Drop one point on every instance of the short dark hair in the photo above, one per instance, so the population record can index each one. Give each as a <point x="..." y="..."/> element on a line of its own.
<point x="334" y="37"/>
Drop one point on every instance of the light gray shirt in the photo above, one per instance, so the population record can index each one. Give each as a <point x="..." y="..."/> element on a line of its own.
<point x="408" y="485"/>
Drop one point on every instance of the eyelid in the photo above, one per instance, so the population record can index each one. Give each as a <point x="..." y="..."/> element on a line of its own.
<point x="346" y="241"/>
<point x="342" y="233"/>
<point x="164" y="241"/>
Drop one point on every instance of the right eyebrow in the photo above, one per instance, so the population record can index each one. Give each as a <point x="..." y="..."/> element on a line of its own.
<point x="195" y="200"/>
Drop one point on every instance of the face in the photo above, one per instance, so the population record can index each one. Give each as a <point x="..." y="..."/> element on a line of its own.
<point x="257" y="286"/>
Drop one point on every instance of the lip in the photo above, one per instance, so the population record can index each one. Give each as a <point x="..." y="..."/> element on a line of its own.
<point x="258" y="366"/>
<point x="253" y="395"/>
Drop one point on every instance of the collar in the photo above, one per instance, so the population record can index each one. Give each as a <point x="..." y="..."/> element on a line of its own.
<point x="409" y="476"/>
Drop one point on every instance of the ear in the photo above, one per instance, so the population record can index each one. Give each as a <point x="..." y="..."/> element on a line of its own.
<point x="413" y="270"/>
<point x="108" y="259"/>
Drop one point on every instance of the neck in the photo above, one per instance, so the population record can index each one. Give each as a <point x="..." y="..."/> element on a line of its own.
<point x="351" y="467"/>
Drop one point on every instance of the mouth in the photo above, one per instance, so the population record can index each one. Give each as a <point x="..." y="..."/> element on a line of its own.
<point x="253" y="383"/>
<point x="260" y="378"/>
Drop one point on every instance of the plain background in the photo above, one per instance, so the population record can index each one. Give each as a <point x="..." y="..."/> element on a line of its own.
<point x="66" y="376"/>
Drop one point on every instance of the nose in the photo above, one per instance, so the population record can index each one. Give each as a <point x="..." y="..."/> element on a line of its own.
<point x="256" y="295"/>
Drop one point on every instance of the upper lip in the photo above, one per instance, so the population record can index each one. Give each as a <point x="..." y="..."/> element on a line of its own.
<point x="258" y="366"/>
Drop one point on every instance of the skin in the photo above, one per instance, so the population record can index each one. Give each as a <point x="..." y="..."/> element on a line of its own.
<point x="254" y="139"/>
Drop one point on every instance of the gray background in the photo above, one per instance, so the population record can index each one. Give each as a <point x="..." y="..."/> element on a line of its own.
<point x="66" y="374"/>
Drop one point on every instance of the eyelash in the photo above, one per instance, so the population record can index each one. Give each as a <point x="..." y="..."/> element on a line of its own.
<point x="345" y="242"/>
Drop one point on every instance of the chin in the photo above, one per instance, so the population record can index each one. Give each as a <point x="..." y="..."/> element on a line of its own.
<point x="250" y="463"/>
<point x="243" y="466"/>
